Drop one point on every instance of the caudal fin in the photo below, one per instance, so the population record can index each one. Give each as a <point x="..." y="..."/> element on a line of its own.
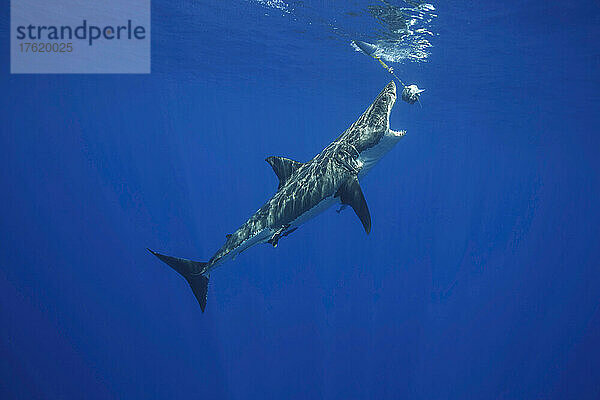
<point x="192" y="271"/>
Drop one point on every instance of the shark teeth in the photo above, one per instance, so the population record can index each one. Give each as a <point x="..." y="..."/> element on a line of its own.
<point x="398" y="133"/>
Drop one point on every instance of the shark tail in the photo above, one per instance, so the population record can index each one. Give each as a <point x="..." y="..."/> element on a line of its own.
<point x="193" y="271"/>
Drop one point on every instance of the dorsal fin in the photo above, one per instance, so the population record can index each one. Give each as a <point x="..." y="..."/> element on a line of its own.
<point x="351" y="194"/>
<point x="283" y="167"/>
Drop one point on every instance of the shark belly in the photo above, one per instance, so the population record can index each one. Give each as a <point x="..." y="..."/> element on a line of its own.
<point x="317" y="209"/>
<point x="261" y="236"/>
<point x="371" y="156"/>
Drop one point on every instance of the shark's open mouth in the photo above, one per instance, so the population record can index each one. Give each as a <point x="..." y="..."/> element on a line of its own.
<point x="393" y="96"/>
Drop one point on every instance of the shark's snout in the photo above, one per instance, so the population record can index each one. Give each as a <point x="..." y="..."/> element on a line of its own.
<point x="385" y="102"/>
<point x="387" y="98"/>
<point x="390" y="93"/>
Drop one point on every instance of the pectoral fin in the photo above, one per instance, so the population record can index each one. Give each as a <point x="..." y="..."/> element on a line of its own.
<point x="283" y="167"/>
<point x="351" y="194"/>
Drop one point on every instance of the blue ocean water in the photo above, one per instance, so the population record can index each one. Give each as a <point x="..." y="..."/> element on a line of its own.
<point x="480" y="278"/>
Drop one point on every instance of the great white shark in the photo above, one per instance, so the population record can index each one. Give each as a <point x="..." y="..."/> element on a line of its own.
<point x="307" y="189"/>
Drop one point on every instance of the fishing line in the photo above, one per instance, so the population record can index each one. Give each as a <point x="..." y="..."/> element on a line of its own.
<point x="410" y="93"/>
